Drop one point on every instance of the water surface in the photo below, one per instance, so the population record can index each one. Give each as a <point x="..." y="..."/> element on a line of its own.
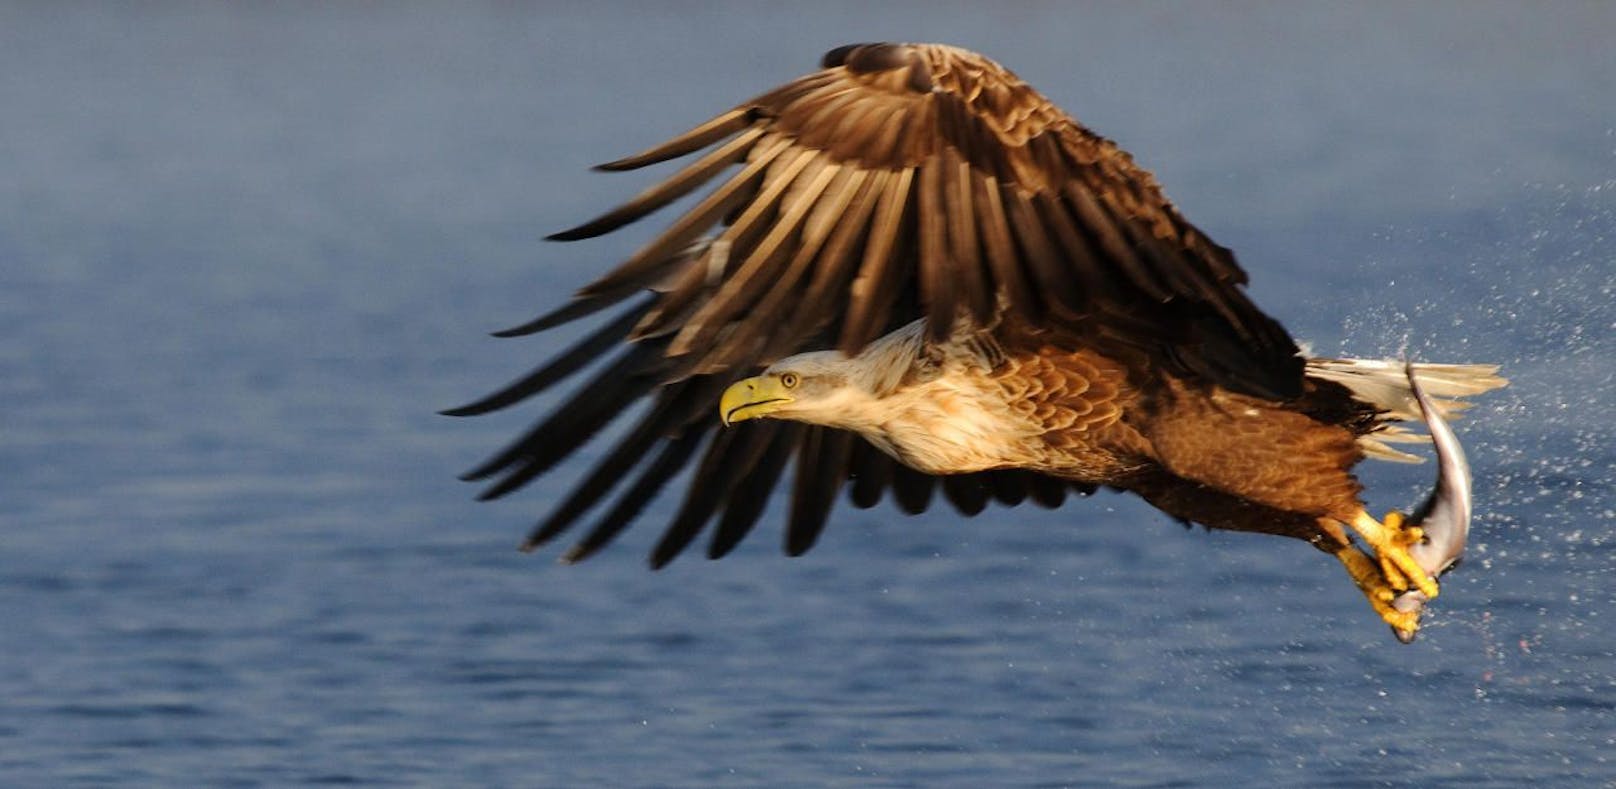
<point x="247" y="251"/>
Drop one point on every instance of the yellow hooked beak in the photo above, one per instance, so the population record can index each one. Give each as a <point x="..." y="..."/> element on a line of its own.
<point x="751" y="398"/>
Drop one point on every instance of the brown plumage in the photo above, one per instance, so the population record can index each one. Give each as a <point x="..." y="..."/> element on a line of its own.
<point x="945" y="230"/>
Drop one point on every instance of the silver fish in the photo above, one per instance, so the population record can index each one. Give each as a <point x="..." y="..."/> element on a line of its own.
<point x="1445" y="515"/>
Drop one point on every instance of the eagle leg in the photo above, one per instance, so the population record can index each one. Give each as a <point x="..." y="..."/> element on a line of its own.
<point x="1391" y="541"/>
<point x="1375" y="586"/>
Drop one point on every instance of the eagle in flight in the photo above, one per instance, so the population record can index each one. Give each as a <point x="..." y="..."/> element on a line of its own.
<point x="916" y="274"/>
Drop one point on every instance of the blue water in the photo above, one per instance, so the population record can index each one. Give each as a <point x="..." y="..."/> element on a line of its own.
<point x="247" y="251"/>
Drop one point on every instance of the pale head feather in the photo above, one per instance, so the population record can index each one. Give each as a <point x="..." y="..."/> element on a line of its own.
<point x="842" y="391"/>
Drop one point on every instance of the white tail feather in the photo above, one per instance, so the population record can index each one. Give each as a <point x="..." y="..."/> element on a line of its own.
<point x="1384" y="385"/>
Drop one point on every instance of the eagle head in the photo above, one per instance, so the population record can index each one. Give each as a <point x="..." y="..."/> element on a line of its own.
<point x="808" y="387"/>
<point x="833" y="389"/>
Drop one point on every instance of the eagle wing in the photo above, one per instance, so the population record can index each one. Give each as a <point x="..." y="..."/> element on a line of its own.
<point x="897" y="182"/>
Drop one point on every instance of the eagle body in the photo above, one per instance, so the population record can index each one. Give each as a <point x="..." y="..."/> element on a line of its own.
<point x="992" y="400"/>
<point x="966" y="405"/>
<point x="913" y="274"/>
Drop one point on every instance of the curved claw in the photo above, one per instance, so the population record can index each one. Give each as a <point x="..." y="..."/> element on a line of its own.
<point x="1382" y="597"/>
<point x="1391" y="543"/>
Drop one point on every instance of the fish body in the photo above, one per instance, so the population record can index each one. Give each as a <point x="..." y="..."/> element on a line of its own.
<point x="1444" y="517"/>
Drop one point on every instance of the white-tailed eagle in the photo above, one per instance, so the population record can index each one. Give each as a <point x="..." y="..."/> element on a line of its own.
<point x="915" y="274"/>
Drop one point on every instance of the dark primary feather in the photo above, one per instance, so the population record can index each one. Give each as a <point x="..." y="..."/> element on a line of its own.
<point x="675" y="454"/>
<point x="822" y="467"/>
<point x="730" y="455"/>
<point x="591" y="408"/>
<point x="694" y="140"/>
<point x="674" y="187"/>
<point x="751" y="491"/>
<point x="673" y="413"/>
<point x="899" y="182"/>
<point x="559" y="368"/>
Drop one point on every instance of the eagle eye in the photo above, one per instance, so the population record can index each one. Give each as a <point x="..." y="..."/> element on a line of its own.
<point x="788" y="380"/>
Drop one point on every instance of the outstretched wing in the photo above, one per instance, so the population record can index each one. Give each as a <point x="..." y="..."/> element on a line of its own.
<point x="898" y="182"/>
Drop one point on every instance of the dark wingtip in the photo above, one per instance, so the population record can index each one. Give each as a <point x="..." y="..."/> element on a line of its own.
<point x="479" y="472"/>
<point x="522" y="330"/>
<point x="477" y="408"/>
<point x="587" y="302"/>
<point x="538" y="536"/>
<point x="800" y="546"/>
<point x="570" y="234"/>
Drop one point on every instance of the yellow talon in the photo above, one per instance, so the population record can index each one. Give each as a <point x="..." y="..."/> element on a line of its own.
<point x="1403" y="537"/>
<point x="1406" y="535"/>
<point x="1394" y="577"/>
<point x="1367" y="575"/>
<point x="1391" y="541"/>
